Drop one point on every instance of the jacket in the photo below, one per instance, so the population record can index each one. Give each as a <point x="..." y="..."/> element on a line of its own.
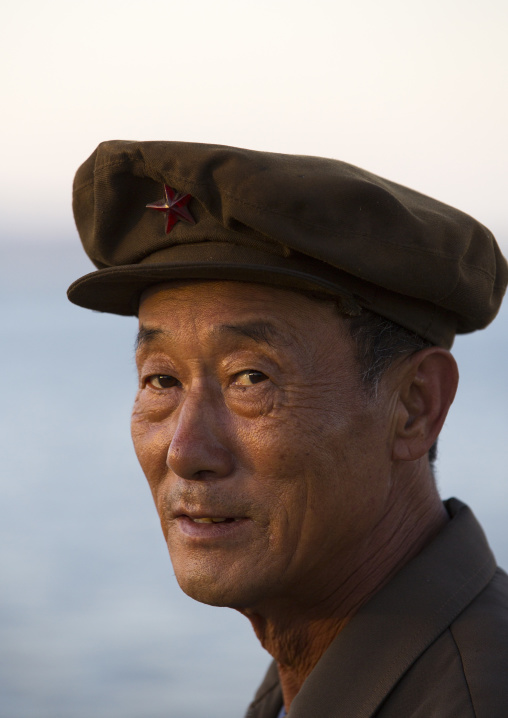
<point x="432" y="643"/>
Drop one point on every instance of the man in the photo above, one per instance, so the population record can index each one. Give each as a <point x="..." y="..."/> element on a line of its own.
<point x="296" y="316"/>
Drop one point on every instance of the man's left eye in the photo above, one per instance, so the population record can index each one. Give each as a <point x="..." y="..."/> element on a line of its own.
<point x="249" y="377"/>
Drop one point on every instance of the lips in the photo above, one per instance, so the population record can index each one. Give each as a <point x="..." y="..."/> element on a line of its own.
<point x="210" y="520"/>
<point x="200" y="527"/>
<point x="201" y="513"/>
<point x="206" y="516"/>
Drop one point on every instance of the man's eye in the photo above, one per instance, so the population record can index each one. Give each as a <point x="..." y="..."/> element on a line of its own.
<point x="162" y="381"/>
<point x="249" y="378"/>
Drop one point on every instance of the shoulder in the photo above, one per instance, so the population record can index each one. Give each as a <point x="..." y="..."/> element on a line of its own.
<point x="463" y="672"/>
<point x="480" y="634"/>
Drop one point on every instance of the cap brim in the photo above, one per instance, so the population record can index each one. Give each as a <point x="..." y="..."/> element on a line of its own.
<point x="118" y="289"/>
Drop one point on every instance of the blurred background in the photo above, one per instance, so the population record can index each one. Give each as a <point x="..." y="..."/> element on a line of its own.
<point x="91" y="618"/>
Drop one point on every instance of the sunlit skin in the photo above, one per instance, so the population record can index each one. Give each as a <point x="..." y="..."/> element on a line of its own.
<point x="250" y="408"/>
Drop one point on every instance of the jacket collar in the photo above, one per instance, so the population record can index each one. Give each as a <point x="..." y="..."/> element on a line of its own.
<point x="395" y="627"/>
<point x="389" y="633"/>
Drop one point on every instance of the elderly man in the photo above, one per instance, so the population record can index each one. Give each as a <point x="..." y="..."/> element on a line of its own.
<point x="296" y="316"/>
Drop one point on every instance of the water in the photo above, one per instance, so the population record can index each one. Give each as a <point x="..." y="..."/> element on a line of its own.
<point x="91" y="619"/>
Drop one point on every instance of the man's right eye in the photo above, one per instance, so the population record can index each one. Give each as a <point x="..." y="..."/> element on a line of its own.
<point x="162" y="381"/>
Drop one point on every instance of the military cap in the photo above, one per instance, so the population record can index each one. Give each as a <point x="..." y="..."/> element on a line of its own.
<point x="151" y="212"/>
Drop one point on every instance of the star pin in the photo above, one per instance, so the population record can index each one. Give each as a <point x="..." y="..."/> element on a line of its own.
<point x="174" y="205"/>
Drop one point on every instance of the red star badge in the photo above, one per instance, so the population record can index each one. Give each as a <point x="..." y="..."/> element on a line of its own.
<point x="174" y="205"/>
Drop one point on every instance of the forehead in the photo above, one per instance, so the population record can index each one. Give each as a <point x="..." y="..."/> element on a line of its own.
<point x="261" y="312"/>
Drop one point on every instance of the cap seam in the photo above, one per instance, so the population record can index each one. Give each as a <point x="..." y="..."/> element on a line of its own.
<point x="107" y="165"/>
<point x="418" y="250"/>
<point x="415" y="250"/>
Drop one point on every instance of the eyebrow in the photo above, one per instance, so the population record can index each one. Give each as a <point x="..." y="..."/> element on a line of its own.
<point x="146" y="335"/>
<point x="258" y="331"/>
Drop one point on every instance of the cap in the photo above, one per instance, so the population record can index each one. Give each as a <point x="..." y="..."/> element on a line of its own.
<point x="151" y="212"/>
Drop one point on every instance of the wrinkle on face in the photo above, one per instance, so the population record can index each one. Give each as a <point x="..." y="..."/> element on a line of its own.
<point x="302" y="442"/>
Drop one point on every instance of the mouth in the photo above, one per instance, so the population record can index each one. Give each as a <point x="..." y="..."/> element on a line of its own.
<point x="211" y="519"/>
<point x="203" y="527"/>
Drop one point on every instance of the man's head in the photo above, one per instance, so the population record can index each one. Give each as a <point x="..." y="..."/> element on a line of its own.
<point x="295" y="320"/>
<point x="252" y="410"/>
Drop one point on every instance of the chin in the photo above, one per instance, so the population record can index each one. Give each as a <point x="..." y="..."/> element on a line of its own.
<point x="213" y="592"/>
<point x="216" y="585"/>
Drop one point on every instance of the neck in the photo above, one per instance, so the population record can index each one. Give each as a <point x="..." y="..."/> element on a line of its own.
<point x="297" y="633"/>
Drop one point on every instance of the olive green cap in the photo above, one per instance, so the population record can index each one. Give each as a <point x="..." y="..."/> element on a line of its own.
<point x="285" y="220"/>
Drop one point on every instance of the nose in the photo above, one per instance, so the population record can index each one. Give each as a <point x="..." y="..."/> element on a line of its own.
<point x="196" y="450"/>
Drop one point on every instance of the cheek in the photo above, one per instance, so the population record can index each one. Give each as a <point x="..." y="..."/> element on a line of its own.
<point x="151" y="446"/>
<point x="277" y="463"/>
<point x="289" y="442"/>
<point x="313" y="461"/>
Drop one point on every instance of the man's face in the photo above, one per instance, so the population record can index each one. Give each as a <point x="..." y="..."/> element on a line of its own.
<point x="250" y="412"/>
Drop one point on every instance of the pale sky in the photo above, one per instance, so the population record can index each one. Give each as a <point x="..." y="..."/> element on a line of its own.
<point x="416" y="92"/>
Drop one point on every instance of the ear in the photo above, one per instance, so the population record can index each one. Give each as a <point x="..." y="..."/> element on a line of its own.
<point x="427" y="384"/>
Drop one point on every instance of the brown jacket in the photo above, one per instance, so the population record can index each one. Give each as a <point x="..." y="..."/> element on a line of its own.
<point x="433" y="643"/>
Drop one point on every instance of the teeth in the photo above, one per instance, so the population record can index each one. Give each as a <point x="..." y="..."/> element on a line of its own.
<point x="208" y="521"/>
